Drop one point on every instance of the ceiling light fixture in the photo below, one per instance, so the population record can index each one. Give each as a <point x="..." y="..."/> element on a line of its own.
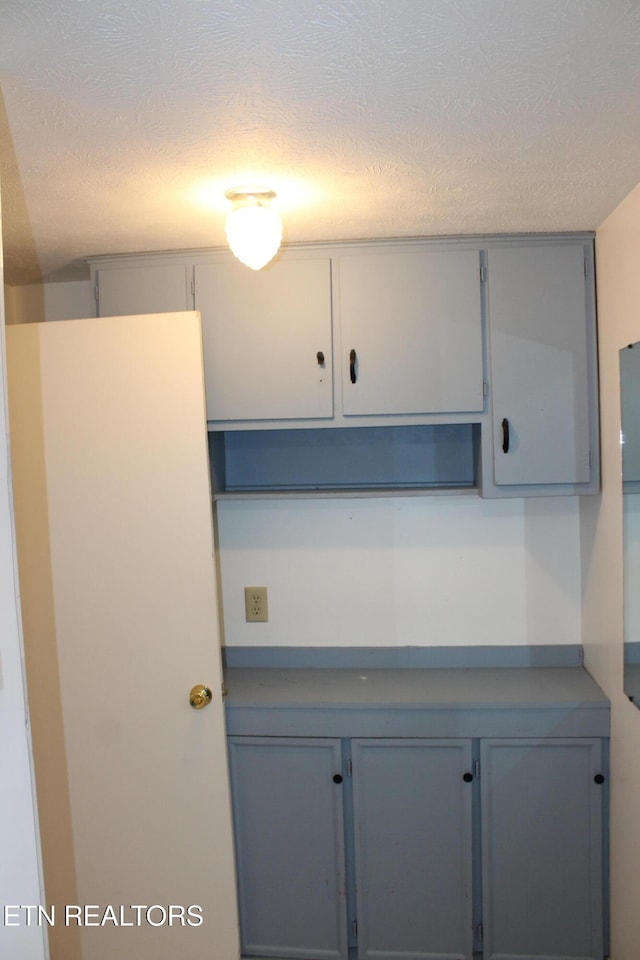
<point x="253" y="226"/>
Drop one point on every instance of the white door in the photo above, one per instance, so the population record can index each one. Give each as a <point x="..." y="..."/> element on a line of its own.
<point x="20" y="878"/>
<point x="117" y="573"/>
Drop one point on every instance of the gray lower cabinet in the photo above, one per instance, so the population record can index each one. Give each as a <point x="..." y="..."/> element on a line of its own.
<point x="419" y="849"/>
<point x="413" y="855"/>
<point x="542" y="848"/>
<point x="289" y="833"/>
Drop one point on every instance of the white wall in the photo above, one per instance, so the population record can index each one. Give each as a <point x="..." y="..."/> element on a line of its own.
<point x="37" y="302"/>
<point x="617" y="256"/>
<point x="19" y="845"/>
<point x="426" y="571"/>
<point x="404" y="571"/>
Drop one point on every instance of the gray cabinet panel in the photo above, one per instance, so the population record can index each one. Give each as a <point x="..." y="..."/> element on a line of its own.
<point x="541" y="849"/>
<point x="262" y="334"/>
<point x="630" y="409"/>
<point x="289" y="832"/>
<point x="539" y="329"/>
<point x="149" y="289"/>
<point x="414" y="321"/>
<point x="413" y="848"/>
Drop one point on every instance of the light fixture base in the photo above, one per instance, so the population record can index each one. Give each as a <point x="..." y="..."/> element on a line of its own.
<point x="239" y="194"/>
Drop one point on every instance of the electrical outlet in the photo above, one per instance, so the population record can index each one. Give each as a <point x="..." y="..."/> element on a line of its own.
<point x="255" y="605"/>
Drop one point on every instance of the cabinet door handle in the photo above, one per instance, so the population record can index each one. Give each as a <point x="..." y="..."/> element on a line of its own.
<point x="598" y="778"/>
<point x="320" y="358"/>
<point x="352" y="366"/>
<point x="505" y="436"/>
<point x="467" y="777"/>
<point x="337" y="778"/>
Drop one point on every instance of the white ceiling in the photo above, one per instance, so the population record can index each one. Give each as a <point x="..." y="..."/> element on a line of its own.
<point x="126" y="120"/>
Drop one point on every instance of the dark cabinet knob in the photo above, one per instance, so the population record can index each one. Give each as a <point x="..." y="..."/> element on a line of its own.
<point x="467" y="777"/>
<point x="598" y="778"/>
<point x="320" y="358"/>
<point x="337" y="778"/>
<point x="505" y="436"/>
<point x="353" y="374"/>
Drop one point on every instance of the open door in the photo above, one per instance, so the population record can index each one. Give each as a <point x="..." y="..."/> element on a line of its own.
<point x="116" y="561"/>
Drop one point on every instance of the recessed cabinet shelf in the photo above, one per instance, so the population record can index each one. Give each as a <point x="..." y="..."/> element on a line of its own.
<point x="412" y="458"/>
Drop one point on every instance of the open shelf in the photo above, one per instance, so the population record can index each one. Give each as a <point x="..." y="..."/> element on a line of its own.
<point x="357" y="461"/>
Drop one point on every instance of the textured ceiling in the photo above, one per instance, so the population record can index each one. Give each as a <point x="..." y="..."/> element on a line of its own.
<point x="125" y="122"/>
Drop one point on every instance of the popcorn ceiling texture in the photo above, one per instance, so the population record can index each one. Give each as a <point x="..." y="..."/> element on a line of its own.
<point x="126" y="120"/>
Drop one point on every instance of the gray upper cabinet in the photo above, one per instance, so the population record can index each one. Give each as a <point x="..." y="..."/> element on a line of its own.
<point x="267" y="340"/>
<point x="159" y="288"/>
<point x="411" y="332"/>
<point x="541" y="330"/>
<point x="494" y="338"/>
<point x="410" y="329"/>
<point x="630" y="411"/>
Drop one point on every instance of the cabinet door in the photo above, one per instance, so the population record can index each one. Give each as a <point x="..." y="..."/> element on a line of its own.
<point x="539" y="364"/>
<point x="412" y="811"/>
<point x="541" y="849"/>
<point x="133" y="290"/>
<point x="289" y="846"/>
<point x="267" y="340"/>
<point x="630" y="411"/>
<point x="414" y="321"/>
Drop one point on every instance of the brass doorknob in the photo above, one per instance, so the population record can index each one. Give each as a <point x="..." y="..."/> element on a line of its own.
<point x="200" y="696"/>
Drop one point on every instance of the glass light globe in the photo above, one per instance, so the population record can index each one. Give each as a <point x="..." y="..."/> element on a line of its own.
<point x="254" y="230"/>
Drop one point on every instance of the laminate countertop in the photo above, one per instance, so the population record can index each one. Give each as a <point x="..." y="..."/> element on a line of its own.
<point x="476" y="702"/>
